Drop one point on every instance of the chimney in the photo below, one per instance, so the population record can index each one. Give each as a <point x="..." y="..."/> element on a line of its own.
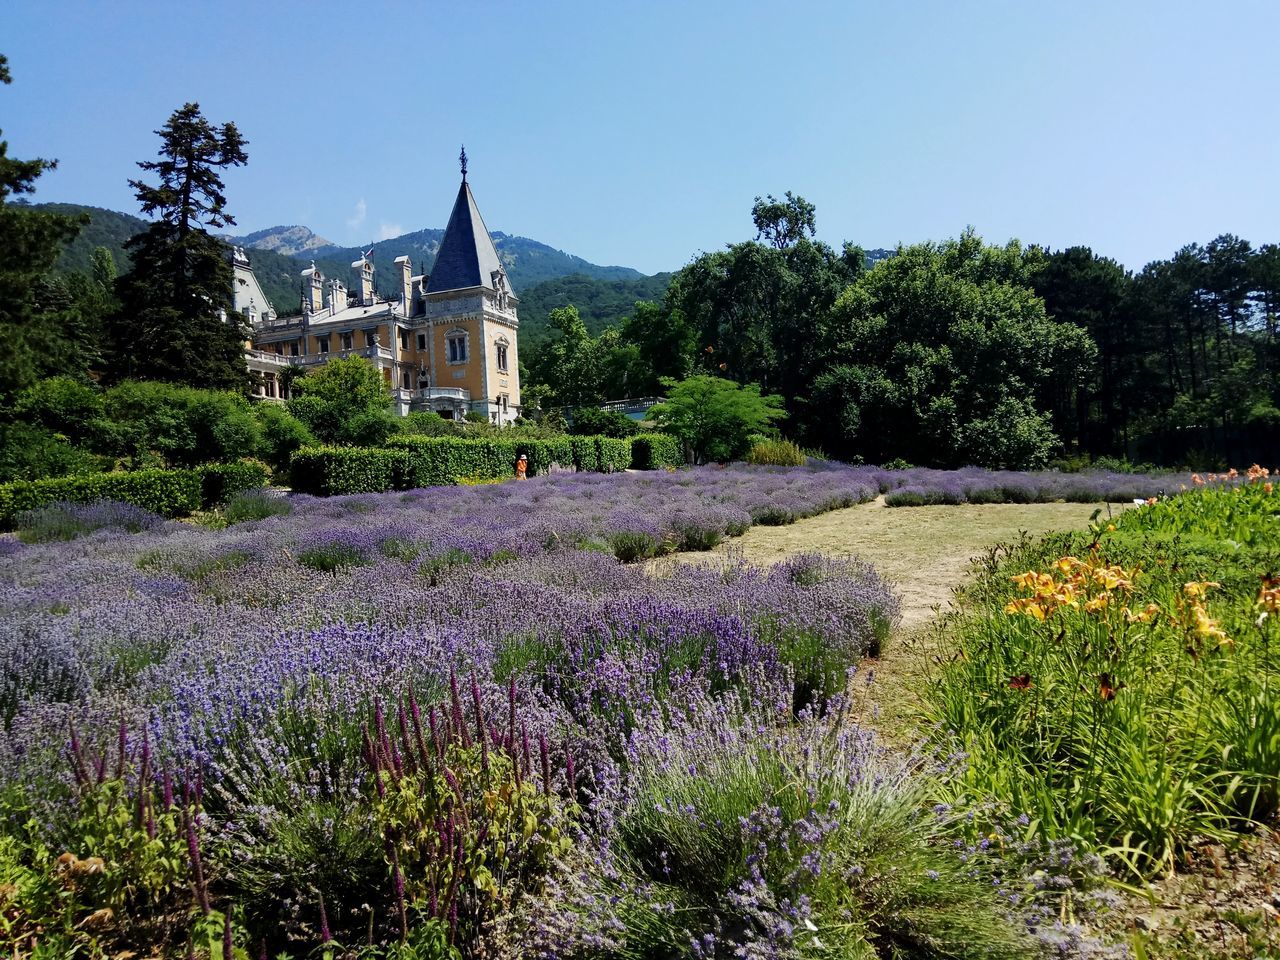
<point x="364" y="268"/>
<point x="312" y="290"/>
<point x="406" y="284"/>
<point x="337" y="297"/>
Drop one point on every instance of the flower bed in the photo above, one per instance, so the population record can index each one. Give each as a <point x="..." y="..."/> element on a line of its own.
<point x="1123" y="684"/>
<point x="451" y="722"/>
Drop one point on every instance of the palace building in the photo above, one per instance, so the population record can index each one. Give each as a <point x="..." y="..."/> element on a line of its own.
<point x="446" y="344"/>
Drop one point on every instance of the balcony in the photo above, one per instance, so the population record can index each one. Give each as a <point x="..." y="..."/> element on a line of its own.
<point x="369" y="353"/>
<point x="267" y="358"/>
<point x="442" y="393"/>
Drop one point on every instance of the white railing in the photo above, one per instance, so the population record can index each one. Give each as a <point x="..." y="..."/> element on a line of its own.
<point x="443" y="393"/>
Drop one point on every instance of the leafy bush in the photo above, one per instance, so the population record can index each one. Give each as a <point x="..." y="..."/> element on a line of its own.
<point x="715" y="417"/>
<point x="30" y="452"/>
<point x="652" y="451"/>
<point x="590" y="421"/>
<point x="221" y="481"/>
<point x="282" y="435"/>
<point x="182" y="425"/>
<point x="586" y="453"/>
<point x="331" y="471"/>
<point x="614" y="455"/>
<point x="345" y="401"/>
<point x="410" y="462"/>
<point x="776" y="453"/>
<point x="170" y="493"/>
<point x="62" y="405"/>
<point x="427" y="423"/>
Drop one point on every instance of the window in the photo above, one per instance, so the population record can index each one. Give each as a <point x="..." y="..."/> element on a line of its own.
<point x="505" y="398"/>
<point x="457" y="349"/>
<point x="369" y="337"/>
<point x="404" y="339"/>
<point x="322" y="344"/>
<point x="346" y="340"/>
<point x="279" y="349"/>
<point x="502" y="357"/>
<point x="406" y="378"/>
<point x="293" y="348"/>
<point x="422" y="341"/>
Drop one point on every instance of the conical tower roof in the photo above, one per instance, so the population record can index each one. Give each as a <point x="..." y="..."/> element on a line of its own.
<point x="467" y="257"/>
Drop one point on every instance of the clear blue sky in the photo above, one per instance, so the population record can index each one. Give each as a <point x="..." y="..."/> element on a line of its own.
<point x="640" y="133"/>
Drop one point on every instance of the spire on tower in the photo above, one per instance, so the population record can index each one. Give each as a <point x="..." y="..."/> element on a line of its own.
<point x="462" y="159"/>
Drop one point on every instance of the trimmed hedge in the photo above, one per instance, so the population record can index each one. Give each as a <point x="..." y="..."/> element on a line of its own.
<point x="586" y="453"/>
<point x="653" y="451"/>
<point x="170" y="493"/>
<point x="222" y="481"/>
<point x="614" y="454"/>
<point x="331" y="471"/>
<point x="407" y="463"/>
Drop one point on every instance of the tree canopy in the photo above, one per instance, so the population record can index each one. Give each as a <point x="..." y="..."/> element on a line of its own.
<point x="173" y="301"/>
<point x="714" y="417"/>
<point x="36" y="340"/>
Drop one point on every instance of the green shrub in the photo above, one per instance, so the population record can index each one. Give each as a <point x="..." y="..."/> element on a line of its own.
<point x="652" y="451"/>
<point x="546" y="452"/>
<point x="182" y="425"/>
<point x="170" y="493"/>
<point x="29" y="452"/>
<point x="590" y="421"/>
<point x="427" y="423"/>
<point x="221" y="481"/>
<point x="614" y="454"/>
<point x="410" y="462"/>
<point x="331" y="471"/>
<point x="282" y="434"/>
<point x="61" y="405"/>
<point x="776" y="453"/>
<point x="586" y="453"/>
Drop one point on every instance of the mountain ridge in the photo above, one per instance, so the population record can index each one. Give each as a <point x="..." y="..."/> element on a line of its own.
<point x="528" y="262"/>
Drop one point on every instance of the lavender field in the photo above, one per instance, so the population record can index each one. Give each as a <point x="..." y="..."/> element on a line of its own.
<point x="454" y="722"/>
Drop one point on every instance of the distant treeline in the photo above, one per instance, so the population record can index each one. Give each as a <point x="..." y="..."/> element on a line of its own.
<point x="959" y="352"/>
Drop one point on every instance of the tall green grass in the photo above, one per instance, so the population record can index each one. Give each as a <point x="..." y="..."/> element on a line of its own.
<point x="1126" y="697"/>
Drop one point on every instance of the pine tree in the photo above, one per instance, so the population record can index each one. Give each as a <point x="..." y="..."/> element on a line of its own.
<point x="31" y="241"/>
<point x="170" y="323"/>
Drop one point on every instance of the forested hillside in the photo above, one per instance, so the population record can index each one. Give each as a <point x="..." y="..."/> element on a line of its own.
<point x="528" y="262"/>
<point x="601" y="303"/>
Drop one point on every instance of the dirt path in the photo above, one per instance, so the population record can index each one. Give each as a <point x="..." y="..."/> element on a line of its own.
<point x="923" y="551"/>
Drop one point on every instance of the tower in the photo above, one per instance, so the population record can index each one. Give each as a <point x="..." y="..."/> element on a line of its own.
<point x="472" y="313"/>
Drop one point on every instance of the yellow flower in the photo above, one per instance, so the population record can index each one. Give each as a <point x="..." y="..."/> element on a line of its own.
<point x="1111" y="527"/>
<point x="1206" y="626"/>
<point x="1198" y="589"/>
<point x="1027" y="606"/>
<point x="1112" y="578"/>
<point x="1098" y="603"/>
<point x="1145" y="615"/>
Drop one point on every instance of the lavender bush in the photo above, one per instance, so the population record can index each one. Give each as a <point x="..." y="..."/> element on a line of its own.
<point x="260" y="662"/>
